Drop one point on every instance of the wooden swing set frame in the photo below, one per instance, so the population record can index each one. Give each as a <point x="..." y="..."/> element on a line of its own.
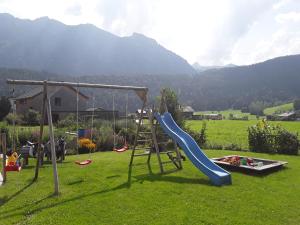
<point x="46" y="107"/>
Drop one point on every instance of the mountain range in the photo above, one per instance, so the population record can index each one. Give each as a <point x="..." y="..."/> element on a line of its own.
<point x="48" y="45"/>
<point x="47" y="49"/>
<point x="200" y="68"/>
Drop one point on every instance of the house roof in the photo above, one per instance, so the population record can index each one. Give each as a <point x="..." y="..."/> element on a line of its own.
<point x="212" y="114"/>
<point x="286" y="114"/>
<point x="95" y="109"/>
<point x="51" y="90"/>
<point x="187" y="109"/>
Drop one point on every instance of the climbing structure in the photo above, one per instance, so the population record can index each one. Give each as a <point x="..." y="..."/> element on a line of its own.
<point x="149" y="138"/>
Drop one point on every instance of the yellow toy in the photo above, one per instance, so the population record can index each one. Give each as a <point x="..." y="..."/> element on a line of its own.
<point x="12" y="162"/>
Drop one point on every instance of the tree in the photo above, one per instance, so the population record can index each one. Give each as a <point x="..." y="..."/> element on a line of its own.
<point x="257" y="108"/>
<point x="173" y="105"/>
<point x="5" y="107"/>
<point x="297" y="104"/>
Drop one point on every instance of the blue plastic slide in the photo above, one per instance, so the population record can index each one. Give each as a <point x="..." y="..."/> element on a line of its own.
<point x="216" y="174"/>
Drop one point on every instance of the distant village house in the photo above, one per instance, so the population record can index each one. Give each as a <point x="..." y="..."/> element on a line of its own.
<point x="187" y="112"/>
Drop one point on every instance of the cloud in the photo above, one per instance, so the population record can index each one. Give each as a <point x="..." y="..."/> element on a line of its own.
<point x="236" y="23"/>
<point x="212" y="32"/>
<point x="288" y="17"/>
<point x="125" y="17"/>
<point x="74" y="10"/>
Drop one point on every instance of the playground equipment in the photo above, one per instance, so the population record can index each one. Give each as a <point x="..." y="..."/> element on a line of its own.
<point x="125" y="146"/>
<point x="82" y="133"/>
<point x="10" y="162"/>
<point x="249" y="164"/>
<point x="146" y="141"/>
<point x="46" y="108"/>
<point x="217" y="175"/>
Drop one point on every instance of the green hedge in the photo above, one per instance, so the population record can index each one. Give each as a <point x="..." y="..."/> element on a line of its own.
<point x="264" y="137"/>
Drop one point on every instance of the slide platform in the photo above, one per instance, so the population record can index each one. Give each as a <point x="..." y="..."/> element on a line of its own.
<point x="216" y="174"/>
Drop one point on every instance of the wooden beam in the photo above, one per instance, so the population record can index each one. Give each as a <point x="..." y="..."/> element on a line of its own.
<point x="74" y="84"/>
<point x="52" y="144"/>
<point x="3" y="146"/>
<point x="42" y="121"/>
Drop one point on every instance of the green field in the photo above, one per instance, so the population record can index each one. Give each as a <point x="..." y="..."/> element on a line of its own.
<point x="225" y="113"/>
<point x="222" y="133"/>
<point x="102" y="194"/>
<point x="279" y="109"/>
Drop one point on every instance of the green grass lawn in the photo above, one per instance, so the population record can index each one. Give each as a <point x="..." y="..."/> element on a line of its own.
<point x="227" y="132"/>
<point x="279" y="109"/>
<point x="102" y="194"/>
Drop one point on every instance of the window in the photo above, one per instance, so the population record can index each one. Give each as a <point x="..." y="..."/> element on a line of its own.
<point x="57" y="101"/>
<point x="23" y="101"/>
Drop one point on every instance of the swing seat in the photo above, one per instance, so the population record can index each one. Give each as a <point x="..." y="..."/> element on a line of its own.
<point x="83" y="163"/>
<point x="123" y="149"/>
<point x="13" y="168"/>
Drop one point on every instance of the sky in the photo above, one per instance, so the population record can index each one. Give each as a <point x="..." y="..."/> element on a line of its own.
<point x="210" y="32"/>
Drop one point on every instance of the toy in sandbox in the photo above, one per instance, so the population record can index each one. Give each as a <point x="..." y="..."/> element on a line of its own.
<point x="248" y="163"/>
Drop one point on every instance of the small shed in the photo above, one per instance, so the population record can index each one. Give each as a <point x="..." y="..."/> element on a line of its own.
<point x="187" y="112"/>
<point x="213" y="116"/>
<point x="290" y="116"/>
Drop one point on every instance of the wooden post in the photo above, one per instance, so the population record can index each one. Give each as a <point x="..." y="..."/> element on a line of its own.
<point x="137" y="132"/>
<point x="3" y="146"/>
<point x="178" y="155"/>
<point x="52" y="145"/>
<point x="153" y="132"/>
<point x="39" y="151"/>
<point x="14" y="124"/>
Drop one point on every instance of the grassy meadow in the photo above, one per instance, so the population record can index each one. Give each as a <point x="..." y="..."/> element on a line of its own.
<point x="106" y="193"/>
<point x="222" y="133"/>
<point x="279" y="109"/>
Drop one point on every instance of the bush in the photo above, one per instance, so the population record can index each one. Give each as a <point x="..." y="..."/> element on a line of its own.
<point x="11" y="117"/>
<point x="257" y="108"/>
<point x="5" y="107"/>
<point x="4" y="129"/>
<point x="104" y="138"/>
<point x="287" y="143"/>
<point x="200" y="137"/>
<point x="24" y="135"/>
<point x="31" y="117"/>
<point x="272" y="139"/>
<point x="68" y="122"/>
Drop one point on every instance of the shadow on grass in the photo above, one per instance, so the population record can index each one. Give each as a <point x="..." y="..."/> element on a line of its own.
<point x="27" y="167"/>
<point x="6" y="199"/>
<point x="76" y="182"/>
<point x="150" y="177"/>
<point x="172" y="179"/>
<point x="114" y="176"/>
<point x="57" y="162"/>
<point x="163" y="177"/>
<point x="12" y="212"/>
